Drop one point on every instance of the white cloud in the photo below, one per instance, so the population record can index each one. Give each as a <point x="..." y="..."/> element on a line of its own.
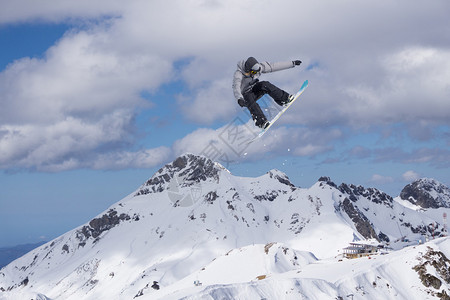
<point x="360" y="152"/>
<point x="380" y="179"/>
<point x="80" y="98"/>
<point x="229" y="143"/>
<point x="392" y="67"/>
<point x="415" y="88"/>
<point x="210" y="104"/>
<point x="410" y="176"/>
<point x="72" y="144"/>
<point x="60" y="145"/>
<point x="197" y="141"/>
<point x="30" y="10"/>
<point x="77" y="77"/>
<point x="147" y="158"/>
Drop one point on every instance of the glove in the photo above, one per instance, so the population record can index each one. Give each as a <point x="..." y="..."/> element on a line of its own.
<point x="254" y="81"/>
<point x="296" y="62"/>
<point x="241" y="102"/>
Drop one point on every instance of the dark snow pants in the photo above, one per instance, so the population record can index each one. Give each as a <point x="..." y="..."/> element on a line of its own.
<point x="260" y="89"/>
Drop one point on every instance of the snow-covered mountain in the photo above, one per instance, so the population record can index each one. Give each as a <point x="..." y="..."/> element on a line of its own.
<point x="427" y="193"/>
<point x="195" y="231"/>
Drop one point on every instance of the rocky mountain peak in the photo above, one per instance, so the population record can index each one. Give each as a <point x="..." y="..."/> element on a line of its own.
<point x="372" y="194"/>
<point x="327" y="180"/>
<point x="280" y="176"/>
<point x="192" y="169"/>
<point x="207" y="222"/>
<point x="427" y="193"/>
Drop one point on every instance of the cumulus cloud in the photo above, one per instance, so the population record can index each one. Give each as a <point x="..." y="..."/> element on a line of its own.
<point x="147" y="158"/>
<point x="436" y="157"/>
<point x="81" y="98"/>
<point x="230" y="143"/>
<point x="414" y="88"/>
<point x="77" y="105"/>
<point x="60" y="143"/>
<point x="410" y="176"/>
<point x="209" y="104"/>
<point x="380" y="179"/>
<point x="360" y="152"/>
<point x="77" y="77"/>
<point x="29" y="10"/>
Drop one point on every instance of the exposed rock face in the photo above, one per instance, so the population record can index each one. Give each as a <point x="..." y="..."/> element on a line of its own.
<point x="327" y="180"/>
<point x="427" y="193"/>
<point x="281" y="177"/>
<point x="184" y="219"/>
<point x="192" y="168"/>
<point x="351" y="206"/>
<point x="361" y="222"/>
<point x="372" y="194"/>
<point x="99" y="225"/>
<point x="433" y="270"/>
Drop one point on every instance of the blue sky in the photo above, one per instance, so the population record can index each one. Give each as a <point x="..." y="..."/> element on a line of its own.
<point x="96" y="96"/>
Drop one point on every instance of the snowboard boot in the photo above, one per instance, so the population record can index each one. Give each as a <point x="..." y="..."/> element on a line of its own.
<point x="289" y="100"/>
<point x="262" y="125"/>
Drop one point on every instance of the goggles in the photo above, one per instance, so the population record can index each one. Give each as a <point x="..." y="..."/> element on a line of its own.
<point x="256" y="68"/>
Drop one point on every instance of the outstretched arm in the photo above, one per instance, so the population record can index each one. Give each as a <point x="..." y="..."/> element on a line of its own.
<point x="268" y="67"/>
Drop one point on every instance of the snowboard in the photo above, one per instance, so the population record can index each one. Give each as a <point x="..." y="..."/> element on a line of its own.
<point x="263" y="131"/>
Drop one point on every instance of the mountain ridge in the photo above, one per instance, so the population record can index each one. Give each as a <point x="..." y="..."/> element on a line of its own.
<point x="191" y="213"/>
<point x="427" y="193"/>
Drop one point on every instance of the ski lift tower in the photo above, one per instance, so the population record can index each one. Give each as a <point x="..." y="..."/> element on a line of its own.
<point x="445" y="224"/>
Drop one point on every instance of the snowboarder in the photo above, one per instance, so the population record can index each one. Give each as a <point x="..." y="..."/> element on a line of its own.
<point x="248" y="89"/>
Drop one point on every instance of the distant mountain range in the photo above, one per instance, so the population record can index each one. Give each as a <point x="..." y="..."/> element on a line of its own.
<point x="195" y="231"/>
<point x="8" y="254"/>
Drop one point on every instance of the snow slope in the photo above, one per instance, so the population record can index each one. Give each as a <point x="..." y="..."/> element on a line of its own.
<point x="389" y="276"/>
<point x="242" y="238"/>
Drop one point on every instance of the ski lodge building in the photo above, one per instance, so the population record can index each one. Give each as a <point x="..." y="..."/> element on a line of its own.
<point x="357" y="250"/>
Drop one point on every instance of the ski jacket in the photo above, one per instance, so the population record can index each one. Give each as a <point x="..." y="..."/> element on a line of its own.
<point x="243" y="82"/>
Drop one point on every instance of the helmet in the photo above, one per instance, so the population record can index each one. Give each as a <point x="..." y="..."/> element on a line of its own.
<point x="251" y="65"/>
